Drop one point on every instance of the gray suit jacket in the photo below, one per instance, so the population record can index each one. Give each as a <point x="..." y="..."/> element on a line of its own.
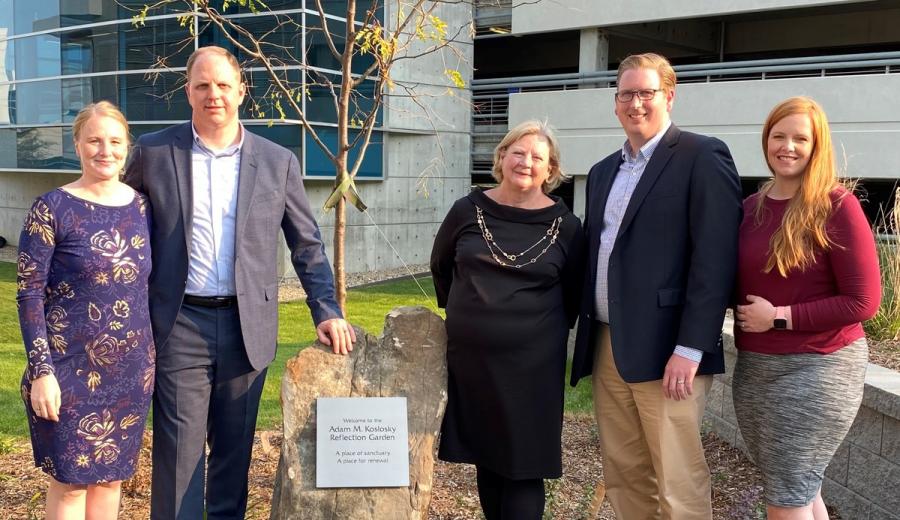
<point x="270" y="197"/>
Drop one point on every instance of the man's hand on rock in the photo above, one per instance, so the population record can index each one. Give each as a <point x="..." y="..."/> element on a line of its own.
<point x="338" y="334"/>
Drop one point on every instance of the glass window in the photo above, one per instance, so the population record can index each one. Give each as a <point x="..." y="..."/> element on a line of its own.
<point x="7" y="147"/>
<point x="159" y="40"/>
<point x="129" y="8"/>
<point x="43" y="148"/>
<point x="6" y="19"/>
<point x="148" y="99"/>
<point x="38" y="57"/>
<point x="271" y="5"/>
<point x="37" y="102"/>
<point x="36" y="15"/>
<point x="318" y="164"/>
<point x="88" y="11"/>
<point x="282" y="39"/>
<point x="78" y="92"/>
<point x="335" y="7"/>
<point x="139" y="130"/>
<point x="318" y="53"/>
<point x="8" y="51"/>
<point x="320" y="105"/>
<point x="7" y="104"/>
<point x="259" y="95"/>
<point x="287" y="135"/>
<point x="90" y="50"/>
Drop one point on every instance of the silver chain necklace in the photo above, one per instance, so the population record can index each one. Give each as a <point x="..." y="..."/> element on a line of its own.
<point x="552" y="233"/>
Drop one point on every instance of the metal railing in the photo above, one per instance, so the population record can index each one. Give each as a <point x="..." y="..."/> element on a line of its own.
<point x="490" y="114"/>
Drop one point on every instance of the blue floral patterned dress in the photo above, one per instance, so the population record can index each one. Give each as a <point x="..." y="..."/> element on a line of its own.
<point x="82" y="294"/>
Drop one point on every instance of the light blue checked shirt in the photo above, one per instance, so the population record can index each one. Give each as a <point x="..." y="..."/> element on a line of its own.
<point x="627" y="178"/>
<point x="214" y="178"/>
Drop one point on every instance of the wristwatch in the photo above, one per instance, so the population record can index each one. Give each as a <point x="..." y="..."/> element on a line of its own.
<point x="780" y="321"/>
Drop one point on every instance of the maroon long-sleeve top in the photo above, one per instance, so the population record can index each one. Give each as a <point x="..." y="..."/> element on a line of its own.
<point x="829" y="299"/>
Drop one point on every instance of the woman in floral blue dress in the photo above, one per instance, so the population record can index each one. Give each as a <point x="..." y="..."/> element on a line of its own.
<point x="84" y="261"/>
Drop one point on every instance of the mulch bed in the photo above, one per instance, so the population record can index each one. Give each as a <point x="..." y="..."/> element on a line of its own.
<point x="737" y="489"/>
<point x="885" y="353"/>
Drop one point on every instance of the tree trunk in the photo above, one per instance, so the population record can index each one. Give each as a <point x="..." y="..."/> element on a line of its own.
<point x="340" y="276"/>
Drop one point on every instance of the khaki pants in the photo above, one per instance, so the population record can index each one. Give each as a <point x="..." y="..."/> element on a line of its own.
<point x="653" y="459"/>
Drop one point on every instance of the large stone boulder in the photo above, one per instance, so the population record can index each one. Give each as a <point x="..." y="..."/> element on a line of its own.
<point x="408" y="360"/>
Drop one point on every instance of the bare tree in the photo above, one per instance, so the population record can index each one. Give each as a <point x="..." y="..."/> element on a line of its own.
<point x="378" y="35"/>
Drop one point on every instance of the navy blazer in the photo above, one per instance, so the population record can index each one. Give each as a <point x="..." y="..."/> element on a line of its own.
<point x="672" y="267"/>
<point x="271" y="197"/>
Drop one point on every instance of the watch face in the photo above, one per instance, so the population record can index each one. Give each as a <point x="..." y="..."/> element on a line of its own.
<point x="779" y="324"/>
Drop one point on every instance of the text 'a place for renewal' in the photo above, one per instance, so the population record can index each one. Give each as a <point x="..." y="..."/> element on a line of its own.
<point x="361" y="442"/>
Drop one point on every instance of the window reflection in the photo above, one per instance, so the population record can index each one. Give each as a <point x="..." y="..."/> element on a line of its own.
<point x="320" y="101"/>
<point x="288" y="136"/>
<point x="319" y="54"/>
<point x="154" y="98"/>
<point x="93" y="11"/>
<point x="259" y="102"/>
<point x="144" y="47"/>
<point x="35" y="15"/>
<point x="78" y="92"/>
<point x="42" y="148"/>
<point x="37" y="102"/>
<point x="318" y="164"/>
<point x="8" y="148"/>
<point x="90" y="50"/>
<point x="38" y="57"/>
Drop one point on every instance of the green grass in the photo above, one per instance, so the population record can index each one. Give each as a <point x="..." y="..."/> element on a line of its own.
<point x="366" y="308"/>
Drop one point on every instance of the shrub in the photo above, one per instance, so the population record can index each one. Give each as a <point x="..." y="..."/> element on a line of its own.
<point x="886" y="323"/>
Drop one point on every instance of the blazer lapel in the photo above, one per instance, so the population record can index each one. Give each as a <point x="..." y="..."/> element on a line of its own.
<point x="655" y="167"/>
<point x="181" y="156"/>
<point x="246" y="183"/>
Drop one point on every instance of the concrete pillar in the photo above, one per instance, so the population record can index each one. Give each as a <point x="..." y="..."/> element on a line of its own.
<point x="593" y="54"/>
<point x="579" y="203"/>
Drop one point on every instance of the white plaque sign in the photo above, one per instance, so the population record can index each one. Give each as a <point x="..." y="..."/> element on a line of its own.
<point x="361" y="442"/>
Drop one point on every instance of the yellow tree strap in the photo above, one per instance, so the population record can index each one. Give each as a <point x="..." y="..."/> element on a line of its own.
<point x="346" y="188"/>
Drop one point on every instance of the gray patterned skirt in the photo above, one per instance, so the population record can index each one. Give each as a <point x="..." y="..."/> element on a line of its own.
<point x="794" y="411"/>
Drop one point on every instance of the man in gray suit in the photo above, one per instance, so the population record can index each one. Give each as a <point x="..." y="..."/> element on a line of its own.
<point x="220" y="195"/>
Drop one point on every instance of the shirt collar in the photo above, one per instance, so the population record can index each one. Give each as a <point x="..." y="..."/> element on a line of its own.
<point x="649" y="147"/>
<point x="229" y="151"/>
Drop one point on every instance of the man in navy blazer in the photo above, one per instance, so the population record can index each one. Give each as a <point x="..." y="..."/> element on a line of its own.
<point x="662" y="219"/>
<point x="219" y="196"/>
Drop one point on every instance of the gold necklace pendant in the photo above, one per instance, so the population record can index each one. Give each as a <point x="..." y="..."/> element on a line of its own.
<point x="551" y="234"/>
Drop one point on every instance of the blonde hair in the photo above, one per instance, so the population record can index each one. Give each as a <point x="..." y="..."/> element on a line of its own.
<point x="651" y="61"/>
<point x="212" y="49"/>
<point x="100" y="109"/>
<point x="802" y="228"/>
<point x="538" y="128"/>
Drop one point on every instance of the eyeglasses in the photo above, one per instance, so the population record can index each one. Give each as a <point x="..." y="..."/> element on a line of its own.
<point x="645" y="94"/>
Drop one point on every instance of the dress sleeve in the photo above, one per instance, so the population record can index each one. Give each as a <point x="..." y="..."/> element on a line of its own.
<point x="854" y="262"/>
<point x="36" y="246"/>
<point x="443" y="254"/>
<point x="573" y="272"/>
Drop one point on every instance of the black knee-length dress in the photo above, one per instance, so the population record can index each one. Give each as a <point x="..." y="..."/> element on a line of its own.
<point x="507" y="328"/>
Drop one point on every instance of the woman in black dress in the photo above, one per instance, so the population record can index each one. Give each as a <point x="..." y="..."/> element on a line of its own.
<point x="507" y="265"/>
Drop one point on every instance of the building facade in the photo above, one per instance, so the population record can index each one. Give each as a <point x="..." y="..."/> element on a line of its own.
<point x="63" y="54"/>
<point x="735" y="60"/>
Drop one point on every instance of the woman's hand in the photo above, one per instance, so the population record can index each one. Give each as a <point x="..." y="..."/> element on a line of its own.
<point x="46" y="397"/>
<point x="758" y="316"/>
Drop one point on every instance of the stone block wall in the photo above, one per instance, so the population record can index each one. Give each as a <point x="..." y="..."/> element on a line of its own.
<point x="863" y="480"/>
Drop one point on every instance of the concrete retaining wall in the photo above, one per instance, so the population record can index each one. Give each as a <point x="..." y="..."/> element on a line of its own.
<point x="862" y="480"/>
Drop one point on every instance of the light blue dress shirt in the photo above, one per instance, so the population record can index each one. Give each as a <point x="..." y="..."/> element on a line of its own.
<point x="627" y="178"/>
<point x="214" y="176"/>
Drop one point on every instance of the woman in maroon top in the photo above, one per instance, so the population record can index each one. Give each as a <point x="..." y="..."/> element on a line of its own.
<point x="807" y="276"/>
